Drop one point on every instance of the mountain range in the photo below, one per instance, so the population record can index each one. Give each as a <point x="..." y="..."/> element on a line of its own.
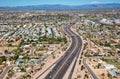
<point x="60" y="7"/>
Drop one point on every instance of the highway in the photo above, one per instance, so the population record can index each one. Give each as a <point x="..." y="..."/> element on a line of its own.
<point x="71" y="53"/>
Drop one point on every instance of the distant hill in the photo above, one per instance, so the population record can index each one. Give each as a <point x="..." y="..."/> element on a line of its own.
<point x="58" y="6"/>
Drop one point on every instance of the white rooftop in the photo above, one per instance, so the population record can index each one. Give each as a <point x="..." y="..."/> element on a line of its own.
<point x="109" y="66"/>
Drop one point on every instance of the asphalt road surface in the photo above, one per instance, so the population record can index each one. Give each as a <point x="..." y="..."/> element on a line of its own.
<point x="73" y="51"/>
<point x="3" y="74"/>
<point x="89" y="69"/>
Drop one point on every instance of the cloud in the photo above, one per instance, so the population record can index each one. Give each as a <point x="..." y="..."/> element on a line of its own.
<point x="95" y="2"/>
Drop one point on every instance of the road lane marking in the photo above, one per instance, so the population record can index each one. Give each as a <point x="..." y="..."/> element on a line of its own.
<point x="66" y="59"/>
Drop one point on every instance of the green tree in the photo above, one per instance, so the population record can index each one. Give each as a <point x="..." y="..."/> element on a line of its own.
<point x="110" y="76"/>
<point x="6" y="51"/>
<point x="2" y="59"/>
<point x="103" y="75"/>
<point x="82" y="67"/>
<point x="86" y="76"/>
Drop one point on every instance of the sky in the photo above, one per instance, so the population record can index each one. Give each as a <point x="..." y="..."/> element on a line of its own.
<point x="64" y="2"/>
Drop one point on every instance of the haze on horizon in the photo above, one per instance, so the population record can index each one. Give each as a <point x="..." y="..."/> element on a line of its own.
<point x="11" y="3"/>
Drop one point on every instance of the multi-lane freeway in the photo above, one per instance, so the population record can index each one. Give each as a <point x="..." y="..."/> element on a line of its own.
<point x="72" y="52"/>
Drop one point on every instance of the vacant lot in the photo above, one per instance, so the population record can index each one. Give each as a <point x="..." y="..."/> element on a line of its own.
<point x="3" y="48"/>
